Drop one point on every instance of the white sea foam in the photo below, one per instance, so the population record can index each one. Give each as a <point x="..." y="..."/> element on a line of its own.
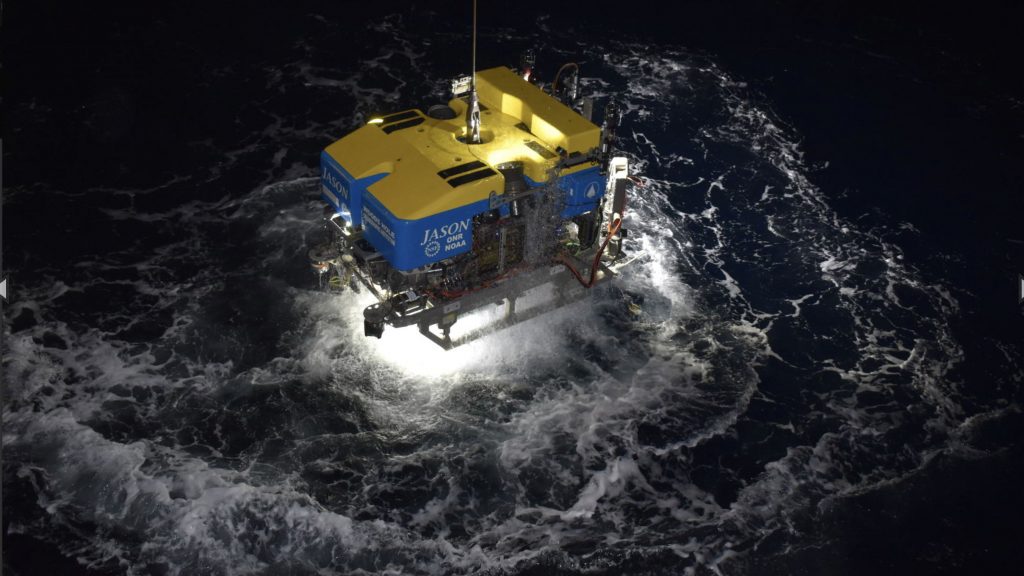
<point x="574" y="435"/>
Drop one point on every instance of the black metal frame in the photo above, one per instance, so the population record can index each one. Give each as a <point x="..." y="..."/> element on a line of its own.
<point x="428" y="313"/>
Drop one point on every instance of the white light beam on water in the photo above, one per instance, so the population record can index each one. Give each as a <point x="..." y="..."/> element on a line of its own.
<point x="410" y="352"/>
<point x="414" y="354"/>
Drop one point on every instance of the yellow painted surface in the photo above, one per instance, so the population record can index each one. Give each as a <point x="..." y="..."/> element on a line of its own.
<point x="413" y="156"/>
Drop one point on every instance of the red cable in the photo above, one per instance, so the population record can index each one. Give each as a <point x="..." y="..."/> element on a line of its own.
<point x="597" y="257"/>
<point x="613" y="230"/>
<point x="554" y="83"/>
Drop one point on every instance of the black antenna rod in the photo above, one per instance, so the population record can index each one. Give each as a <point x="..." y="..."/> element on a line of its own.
<point x="473" y="111"/>
<point x="474" y="44"/>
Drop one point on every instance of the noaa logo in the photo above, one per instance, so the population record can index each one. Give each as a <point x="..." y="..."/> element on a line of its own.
<point x="591" y="190"/>
<point x="432" y="249"/>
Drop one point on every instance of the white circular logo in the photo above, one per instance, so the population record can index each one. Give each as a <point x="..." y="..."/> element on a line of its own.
<point x="432" y="249"/>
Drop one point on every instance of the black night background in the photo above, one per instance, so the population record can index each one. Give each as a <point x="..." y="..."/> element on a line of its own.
<point x="826" y="377"/>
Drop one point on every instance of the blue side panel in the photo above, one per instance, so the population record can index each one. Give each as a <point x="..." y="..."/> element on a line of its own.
<point x="341" y="190"/>
<point x="335" y="188"/>
<point x="584" y="190"/>
<point x="409" y="244"/>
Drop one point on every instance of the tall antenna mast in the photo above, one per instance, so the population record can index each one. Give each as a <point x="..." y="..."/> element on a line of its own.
<point x="473" y="111"/>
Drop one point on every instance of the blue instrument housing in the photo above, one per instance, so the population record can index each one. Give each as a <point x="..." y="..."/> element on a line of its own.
<point x="411" y="244"/>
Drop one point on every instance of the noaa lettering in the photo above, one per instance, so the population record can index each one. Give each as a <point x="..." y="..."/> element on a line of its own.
<point x="449" y="237"/>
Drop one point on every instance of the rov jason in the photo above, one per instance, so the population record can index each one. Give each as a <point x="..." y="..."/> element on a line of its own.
<point x="437" y="224"/>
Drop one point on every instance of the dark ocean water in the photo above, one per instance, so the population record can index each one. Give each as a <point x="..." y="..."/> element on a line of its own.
<point x="826" y="377"/>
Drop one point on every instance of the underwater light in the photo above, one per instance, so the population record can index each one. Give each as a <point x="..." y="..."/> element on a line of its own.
<point x="491" y="350"/>
<point x="413" y="354"/>
<point x="410" y="353"/>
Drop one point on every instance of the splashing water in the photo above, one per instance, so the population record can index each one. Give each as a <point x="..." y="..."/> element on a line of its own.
<point x="190" y="406"/>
